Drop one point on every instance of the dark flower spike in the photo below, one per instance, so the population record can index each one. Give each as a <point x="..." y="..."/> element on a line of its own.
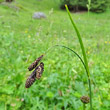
<point x="29" y="82"/>
<point x="35" y="63"/>
<point x="35" y="74"/>
<point x="31" y="79"/>
<point x="39" y="70"/>
<point x="85" y="99"/>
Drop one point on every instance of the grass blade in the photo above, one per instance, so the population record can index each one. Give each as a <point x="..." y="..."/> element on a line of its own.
<point x="83" y="52"/>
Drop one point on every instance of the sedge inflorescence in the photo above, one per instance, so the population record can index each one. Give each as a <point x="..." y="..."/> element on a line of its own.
<point x="85" y="99"/>
<point x="37" y="73"/>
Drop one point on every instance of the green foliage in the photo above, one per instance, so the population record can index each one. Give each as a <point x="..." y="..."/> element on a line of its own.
<point x="75" y="5"/>
<point x="1" y="1"/>
<point x="23" y="39"/>
<point x="94" y="5"/>
<point x="99" y="5"/>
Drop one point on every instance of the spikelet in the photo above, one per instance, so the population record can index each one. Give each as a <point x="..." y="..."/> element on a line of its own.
<point x="85" y="99"/>
<point x="35" y="63"/>
<point x="39" y="70"/>
<point x="31" y="79"/>
<point x="29" y="82"/>
<point x="35" y="74"/>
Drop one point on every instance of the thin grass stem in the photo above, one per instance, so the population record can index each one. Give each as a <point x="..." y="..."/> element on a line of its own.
<point x="69" y="50"/>
<point x="83" y="52"/>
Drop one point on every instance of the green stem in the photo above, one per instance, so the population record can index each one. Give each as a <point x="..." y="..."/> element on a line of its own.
<point x="83" y="52"/>
<point x="71" y="51"/>
<point x="74" y="53"/>
<point x="84" y="106"/>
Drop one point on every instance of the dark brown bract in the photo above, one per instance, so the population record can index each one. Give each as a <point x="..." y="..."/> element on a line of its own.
<point x="39" y="70"/>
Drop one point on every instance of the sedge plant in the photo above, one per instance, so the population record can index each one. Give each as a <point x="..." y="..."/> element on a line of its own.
<point x="36" y="74"/>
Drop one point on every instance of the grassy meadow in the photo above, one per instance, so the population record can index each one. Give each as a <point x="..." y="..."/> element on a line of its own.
<point x="64" y="80"/>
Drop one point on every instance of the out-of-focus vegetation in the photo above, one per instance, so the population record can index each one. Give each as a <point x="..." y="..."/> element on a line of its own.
<point x="81" y="5"/>
<point x="64" y="81"/>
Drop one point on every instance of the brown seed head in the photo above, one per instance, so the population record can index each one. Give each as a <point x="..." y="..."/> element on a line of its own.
<point x="85" y="99"/>
<point x="29" y="82"/>
<point x="35" y="63"/>
<point x="35" y="74"/>
<point x="31" y="79"/>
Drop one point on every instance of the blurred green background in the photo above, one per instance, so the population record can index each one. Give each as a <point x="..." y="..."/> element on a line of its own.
<point x="64" y="81"/>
